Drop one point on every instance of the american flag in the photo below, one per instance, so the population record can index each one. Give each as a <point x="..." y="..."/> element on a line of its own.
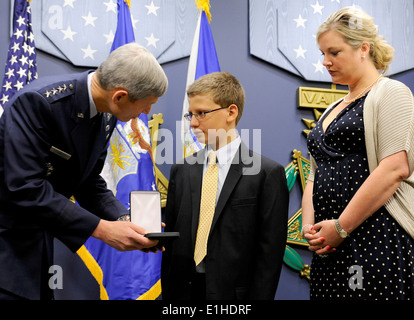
<point x="21" y="59"/>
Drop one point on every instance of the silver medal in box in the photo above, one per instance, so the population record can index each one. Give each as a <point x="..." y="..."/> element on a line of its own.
<point x="146" y="212"/>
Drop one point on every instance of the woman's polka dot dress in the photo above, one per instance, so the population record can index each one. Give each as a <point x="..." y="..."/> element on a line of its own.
<point x="376" y="261"/>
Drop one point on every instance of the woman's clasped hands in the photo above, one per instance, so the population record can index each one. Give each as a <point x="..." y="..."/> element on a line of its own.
<point x="322" y="237"/>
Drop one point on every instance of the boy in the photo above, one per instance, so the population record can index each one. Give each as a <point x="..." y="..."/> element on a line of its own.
<point x="237" y="253"/>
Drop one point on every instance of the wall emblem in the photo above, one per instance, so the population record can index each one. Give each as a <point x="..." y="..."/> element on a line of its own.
<point x="82" y="32"/>
<point x="282" y="32"/>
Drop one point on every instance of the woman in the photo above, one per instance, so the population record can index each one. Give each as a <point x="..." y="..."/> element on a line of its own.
<point x="358" y="205"/>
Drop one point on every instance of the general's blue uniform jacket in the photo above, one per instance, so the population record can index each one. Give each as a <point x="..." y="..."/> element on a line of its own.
<point x="49" y="151"/>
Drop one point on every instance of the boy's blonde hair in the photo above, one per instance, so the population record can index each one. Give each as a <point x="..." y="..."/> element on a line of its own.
<point x="223" y="88"/>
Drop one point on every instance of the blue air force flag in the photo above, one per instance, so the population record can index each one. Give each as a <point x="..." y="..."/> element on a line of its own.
<point x="128" y="166"/>
<point x="203" y="60"/>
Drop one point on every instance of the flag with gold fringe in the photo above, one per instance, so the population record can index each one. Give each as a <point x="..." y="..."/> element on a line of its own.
<point x="203" y="60"/>
<point x="126" y="275"/>
<point x="21" y="59"/>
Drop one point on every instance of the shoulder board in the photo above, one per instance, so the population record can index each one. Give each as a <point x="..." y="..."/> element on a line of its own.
<point x="58" y="90"/>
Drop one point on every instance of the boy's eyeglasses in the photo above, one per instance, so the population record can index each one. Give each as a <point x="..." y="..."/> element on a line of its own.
<point x="200" y="114"/>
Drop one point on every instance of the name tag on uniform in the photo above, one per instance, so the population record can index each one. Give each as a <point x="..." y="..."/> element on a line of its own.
<point x="60" y="153"/>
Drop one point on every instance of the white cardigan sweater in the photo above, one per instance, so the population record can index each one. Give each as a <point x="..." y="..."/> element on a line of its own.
<point x="389" y="128"/>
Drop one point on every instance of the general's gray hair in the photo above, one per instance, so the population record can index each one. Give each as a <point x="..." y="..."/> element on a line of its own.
<point x="133" y="68"/>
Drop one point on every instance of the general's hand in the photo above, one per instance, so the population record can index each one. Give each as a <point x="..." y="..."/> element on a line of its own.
<point x="123" y="236"/>
<point x="157" y="248"/>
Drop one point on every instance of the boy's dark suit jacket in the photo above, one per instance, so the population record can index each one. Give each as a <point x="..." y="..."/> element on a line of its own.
<point x="36" y="180"/>
<point x="248" y="234"/>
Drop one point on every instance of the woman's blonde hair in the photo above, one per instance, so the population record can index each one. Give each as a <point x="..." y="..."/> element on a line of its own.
<point x="356" y="26"/>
